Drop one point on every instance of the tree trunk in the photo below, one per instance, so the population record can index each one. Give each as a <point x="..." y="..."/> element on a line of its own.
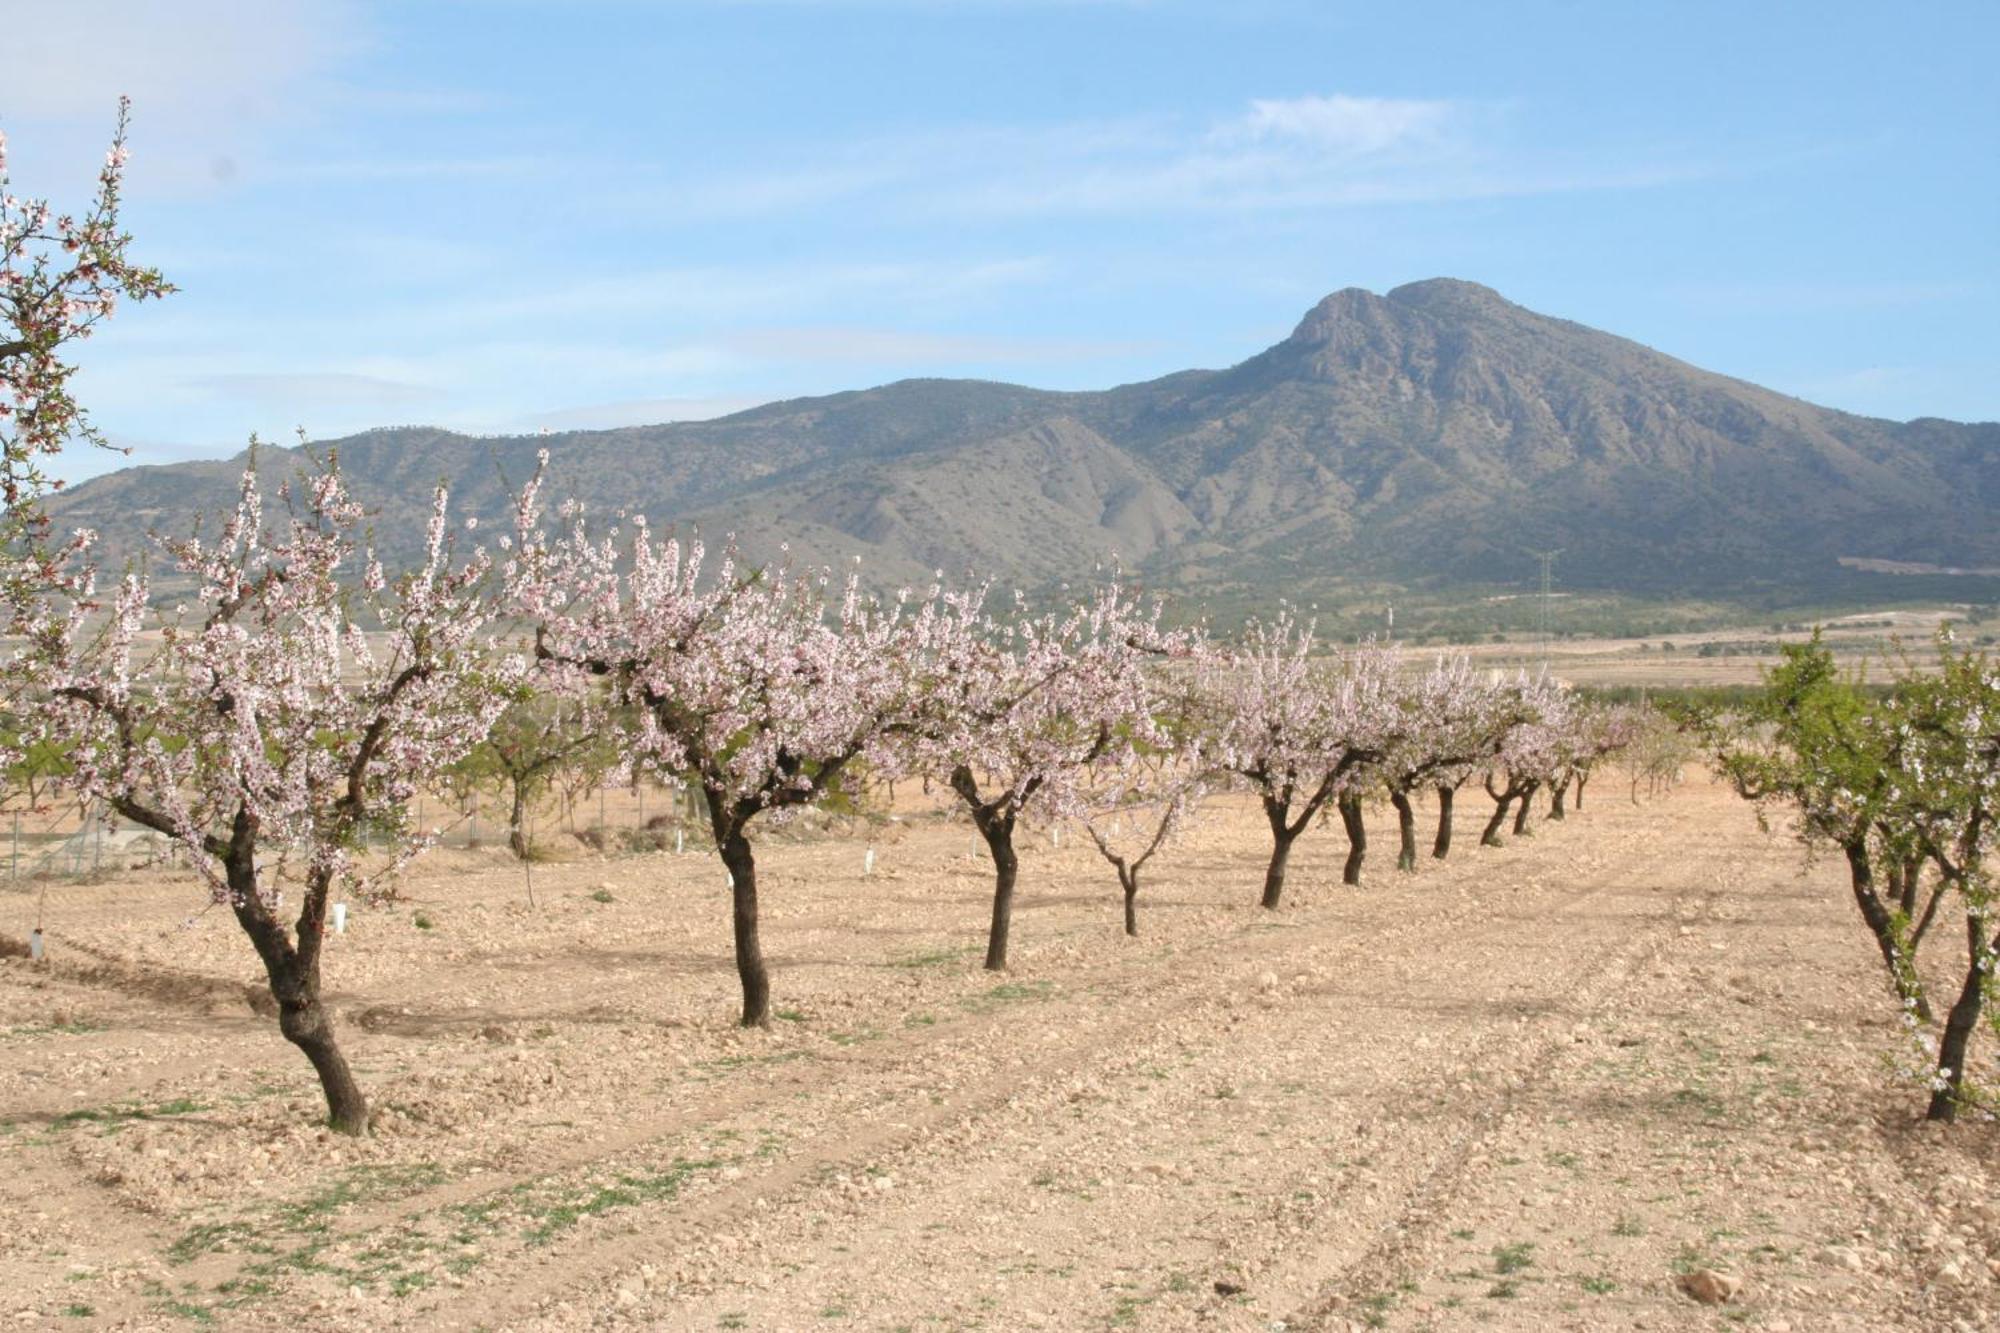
<point x="517" y="823"/>
<point x="1282" y="838"/>
<point x="999" y="834"/>
<point x="1583" y="776"/>
<point x="293" y="971"/>
<point x="1441" y="847"/>
<point x="1406" y="831"/>
<point x="1357" y="839"/>
<point x="1557" y="796"/>
<point x="1902" y="973"/>
<point x="1491" y="837"/>
<point x="1128" y="879"/>
<point x="1907" y="885"/>
<point x="1522" y="810"/>
<point x="1958" y="1026"/>
<point x="750" y="969"/>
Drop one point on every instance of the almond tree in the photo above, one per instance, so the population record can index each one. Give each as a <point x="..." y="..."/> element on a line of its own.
<point x="1295" y="729"/>
<point x="276" y="721"/>
<point x="1812" y="742"/>
<point x="533" y="745"/>
<point x="762" y="688"/>
<point x="1457" y="718"/>
<point x="1945" y="790"/>
<point x="1142" y="794"/>
<point x="61" y="275"/>
<point x="1017" y="711"/>
<point x="1911" y="773"/>
<point x="1601" y="731"/>
<point x="1533" y="751"/>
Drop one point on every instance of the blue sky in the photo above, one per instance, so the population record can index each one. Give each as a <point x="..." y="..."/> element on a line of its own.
<point x="509" y="214"/>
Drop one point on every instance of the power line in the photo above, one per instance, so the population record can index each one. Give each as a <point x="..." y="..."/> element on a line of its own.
<point x="1544" y="614"/>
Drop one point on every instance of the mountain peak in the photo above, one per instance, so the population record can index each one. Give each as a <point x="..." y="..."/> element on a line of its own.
<point x="1454" y="295"/>
<point x="1347" y="308"/>
<point x="1353" y="311"/>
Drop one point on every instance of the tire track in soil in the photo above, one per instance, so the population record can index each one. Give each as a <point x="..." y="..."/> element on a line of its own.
<point x="1533" y="1062"/>
<point x="910" y="1048"/>
<point x="1091" y="1028"/>
<point x="1006" y="1095"/>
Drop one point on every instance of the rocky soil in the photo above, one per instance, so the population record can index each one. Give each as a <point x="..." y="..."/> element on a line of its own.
<point x="1634" y="1072"/>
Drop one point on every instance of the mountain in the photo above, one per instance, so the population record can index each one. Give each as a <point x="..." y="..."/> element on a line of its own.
<point x="1432" y="437"/>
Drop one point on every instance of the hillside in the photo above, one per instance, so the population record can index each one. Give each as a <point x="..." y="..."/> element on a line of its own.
<point x="1431" y="438"/>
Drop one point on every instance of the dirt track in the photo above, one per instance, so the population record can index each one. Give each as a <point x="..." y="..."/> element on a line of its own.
<point x="1521" y="1090"/>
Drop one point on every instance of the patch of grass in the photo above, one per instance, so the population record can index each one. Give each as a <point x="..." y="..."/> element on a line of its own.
<point x="1628" y="1225"/>
<point x="423" y="922"/>
<point x="208" y="1238"/>
<point x="1008" y="992"/>
<point x="111" y="1119"/>
<point x="1692" y="1257"/>
<point x="79" y="1310"/>
<point x="1513" y="1258"/>
<point x="629" y="1190"/>
<point x="1597" y="1286"/>
<point x="199" y="1314"/>
<point x="602" y="896"/>
<point x="1375" y="1308"/>
<point x="1701" y="1101"/>
<point x="938" y="958"/>
<point x="920" y="1021"/>
<point x="788" y="1015"/>
<point x="69" y="1028"/>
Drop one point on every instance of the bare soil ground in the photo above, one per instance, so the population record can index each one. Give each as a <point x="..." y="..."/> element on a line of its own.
<point x="1525" y="1089"/>
<point x="1882" y="641"/>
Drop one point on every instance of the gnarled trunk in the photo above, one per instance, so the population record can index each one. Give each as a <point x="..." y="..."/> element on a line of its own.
<point x="1902" y="971"/>
<point x="1557" y="795"/>
<point x="1357" y="838"/>
<point x="1128" y="879"/>
<point x="1491" y="837"/>
<point x="1959" y="1025"/>
<point x="750" y="969"/>
<point x="1523" y="808"/>
<point x="517" y="822"/>
<point x="1582" y="776"/>
<point x="1282" y="838"/>
<point x="1406" y="831"/>
<point x="999" y="834"/>
<point x="293" y="971"/>
<point x="1441" y="845"/>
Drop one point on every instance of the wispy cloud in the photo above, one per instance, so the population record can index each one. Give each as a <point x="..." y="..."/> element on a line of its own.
<point x="643" y="412"/>
<point x="1274" y="155"/>
<point x="1798" y="297"/>
<point x="312" y="390"/>
<point x="1341" y="123"/>
<point x="894" y="346"/>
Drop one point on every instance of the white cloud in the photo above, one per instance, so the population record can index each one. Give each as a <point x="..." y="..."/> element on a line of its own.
<point x="209" y="60"/>
<point x="1342" y="123"/>
<point x="212" y="82"/>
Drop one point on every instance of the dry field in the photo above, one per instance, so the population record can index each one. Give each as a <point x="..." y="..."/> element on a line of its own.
<point x="1522" y="1090"/>
<point x="1879" y="640"/>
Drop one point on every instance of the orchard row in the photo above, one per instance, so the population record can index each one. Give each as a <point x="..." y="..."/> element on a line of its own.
<point x="278" y="720"/>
